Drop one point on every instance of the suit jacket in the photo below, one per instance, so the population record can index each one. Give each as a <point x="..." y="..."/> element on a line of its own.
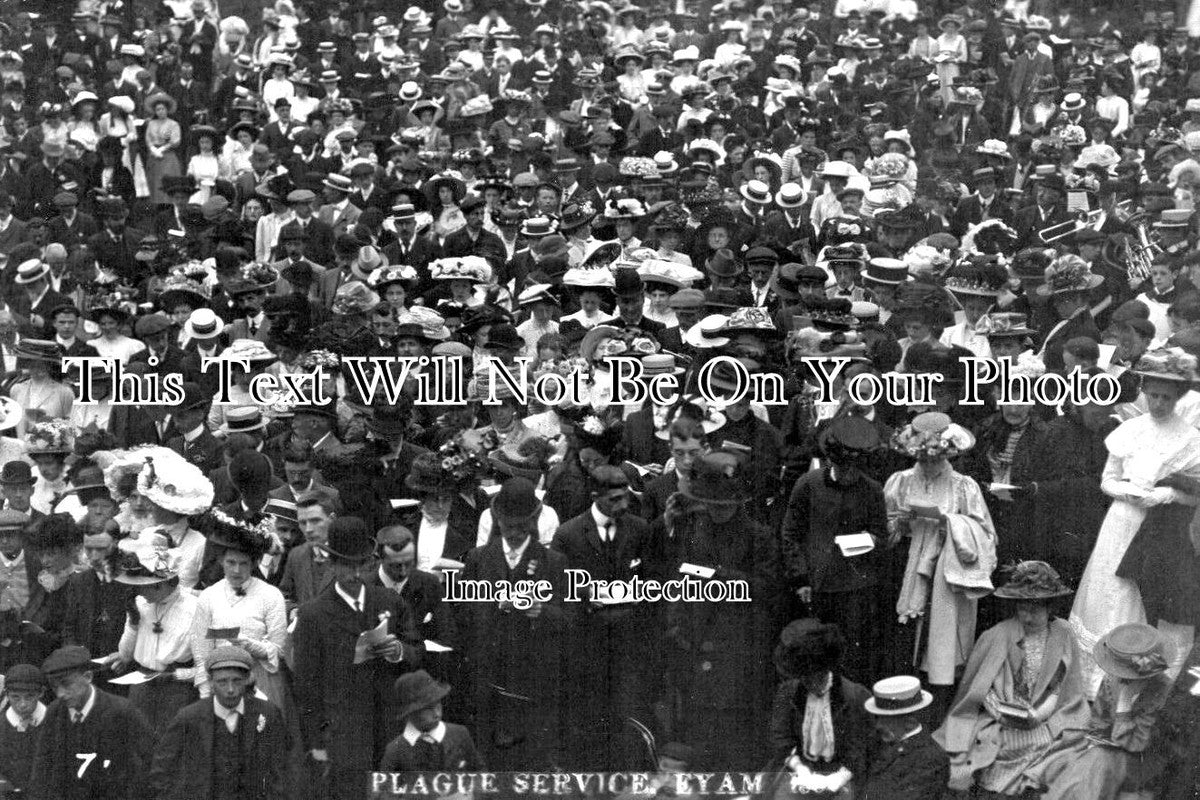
<point x="95" y="612"/>
<point x="328" y="285"/>
<point x="423" y="593"/>
<point x="319" y="244"/>
<point x="170" y="362"/>
<point x="457" y="753"/>
<point x="240" y="329"/>
<point x="16" y="233"/>
<point x="656" y="495"/>
<point x="133" y="425"/>
<point x="119" y="736"/>
<point x="1024" y="75"/>
<point x="346" y="708"/>
<point x="82" y="228"/>
<point x="970" y="212"/>
<point x="117" y="254"/>
<point x="340" y="221"/>
<point x="182" y="767"/>
<point x="628" y="555"/>
<point x="205" y="451"/>
<point x="912" y="769"/>
<point x="641" y="444"/>
<point x="459" y="244"/>
<point x="1028" y="223"/>
<point x="304" y="578"/>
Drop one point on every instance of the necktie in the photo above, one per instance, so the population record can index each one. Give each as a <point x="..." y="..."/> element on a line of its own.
<point x="231" y="722"/>
<point x="357" y="606"/>
<point x="76" y="717"/>
<point x="430" y="752"/>
<point x="608" y="532"/>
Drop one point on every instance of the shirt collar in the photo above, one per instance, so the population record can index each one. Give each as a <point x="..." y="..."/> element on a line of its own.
<point x="411" y="734"/>
<point x="39" y="714"/>
<point x="89" y="705"/>
<point x="518" y="552"/>
<point x="350" y="601"/>
<point x="15" y="562"/>
<point x="388" y="583"/>
<point x="193" y="434"/>
<point x="225" y="713"/>
<point x="600" y="518"/>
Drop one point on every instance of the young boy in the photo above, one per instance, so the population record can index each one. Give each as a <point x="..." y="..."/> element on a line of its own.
<point x="428" y="744"/>
<point x="20" y="727"/>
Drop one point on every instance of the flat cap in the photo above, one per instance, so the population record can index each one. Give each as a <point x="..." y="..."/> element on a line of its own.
<point x="67" y="659"/>
<point x="229" y="656"/>
<point x="151" y="325"/>
<point x="687" y="299"/>
<point x="65" y="199"/>
<point x="24" y="676"/>
<point x="301" y="196"/>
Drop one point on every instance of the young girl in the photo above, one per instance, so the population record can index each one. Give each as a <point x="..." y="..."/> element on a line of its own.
<point x="1157" y="296"/>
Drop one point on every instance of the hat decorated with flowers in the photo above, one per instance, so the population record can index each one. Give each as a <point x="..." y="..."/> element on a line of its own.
<point x="530" y="459"/>
<point x="383" y="277"/>
<point x="250" y="350"/>
<point x="354" y="297"/>
<point x="227" y="533"/>
<point x="1172" y="364"/>
<point x="753" y="320"/>
<point x="638" y="167"/>
<point x="1032" y="580"/>
<point x="175" y="484"/>
<point x="624" y="208"/>
<point x="143" y="561"/>
<point x="931" y="436"/>
<point x="49" y="437"/>
<point x="1069" y="273"/>
<point x="469" y="268"/>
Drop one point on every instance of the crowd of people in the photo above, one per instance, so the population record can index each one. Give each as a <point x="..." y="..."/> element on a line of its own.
<point x="207" y="592"/>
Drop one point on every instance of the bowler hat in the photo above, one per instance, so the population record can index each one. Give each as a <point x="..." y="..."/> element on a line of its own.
<point x="516" y="500"/>
<point x="349" y="540"/>
<point x="17" y="473"/>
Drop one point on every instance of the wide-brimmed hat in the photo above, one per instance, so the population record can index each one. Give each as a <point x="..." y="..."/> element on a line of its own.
<point x="723" y="264"/>
<point x="179" y="289"/>
<point x="932" y="435"/>
<point x="528" y="460"/>
<point x="897" y="696"/>
<point x="176" y="485"/>
<point x="32" y="270"/>
<point x="160" y="97"/>
<point x="807" y="646"/>
<point x="1069" y="273"/>
<point x="1004" y="324"/>
<point x="1033" y="580"/>
<point x="50" y="437"/>
<point x="418" y="690"/>
<point x="753" y="320"/>
<point x="851" y="436"/>
<point x="354" y="297"/>
<point x="250" y="350"/>
<point x="1173" y="364"/>
<point x="145" y="561"/>
<point x="426" y="475"/>
<point x="227" y="533"/>
<point x="1134" y="651"/>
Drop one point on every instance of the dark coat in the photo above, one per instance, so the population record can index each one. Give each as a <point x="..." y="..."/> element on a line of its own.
<point x="818" y="511"/>
<point x="457" y="751"/>
<point x="345" y="708"/>
<point x="914" y="769"/>
<point x="95" y="612"/>
<point x="852" y="727"/>
<point x="642" y="446"/>
<point x="182" y="768"/>
<point x="423" y="593"/>
<point x="304" y="578"/>
<point x="119" y="736"/>
<point x="1081" y="324"/>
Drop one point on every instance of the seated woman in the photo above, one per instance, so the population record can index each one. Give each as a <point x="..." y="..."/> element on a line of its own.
<point x="1021" y="691"/>
<point x="820" y="730"/>
<point x="1108" y="761"/>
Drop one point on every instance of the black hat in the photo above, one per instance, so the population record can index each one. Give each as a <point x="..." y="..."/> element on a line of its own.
<point x="349" y="540"/>
<point x="504" y="337"/>
<point x="71" y="658"/>
<point x="224" y="532"/>
<point x="628" y="282"/>
<point x="17" y="473"/>
<point x="418" y="690"/>
<point x="849" y="437"/>
<point x="807" y="646"/>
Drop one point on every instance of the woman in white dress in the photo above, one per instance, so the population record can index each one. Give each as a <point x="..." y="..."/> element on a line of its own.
<point x="245" y="602"/>
<point x="1142" y="452"/>
<point x="205" y="165"/>
<point x="120" y="123"/>
<point x="951" y="51"/>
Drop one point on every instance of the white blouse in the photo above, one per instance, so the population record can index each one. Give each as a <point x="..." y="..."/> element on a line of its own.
<point x="260" y="616"/>
<point x="171" y="643"/>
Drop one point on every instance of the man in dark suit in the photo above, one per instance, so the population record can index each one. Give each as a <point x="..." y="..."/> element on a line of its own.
<point x="639" y="436"/>
<point x="345" y="712"/>
<point x="1048" y="210"/>
<point x="94" y="745"/>
<point x="610" y="544"/>
<point x="317" y="235"/>
<point x="687" y="442"/>
<point x="198" y="39"/>
<point x="984" y="203"/>
<point x="301" y="478"/>
<point x="232" y="745"/>
<point x="38" y="300"/>
<point x="12" y="230"/>
<point x="472" y="239"/>
<point x="116" y="245"/>
<point x="427" y="744"/>
<point x="308" y="573"/>
<point x="277" y="135"/>
<point x="631" y="296"/>
<point x="410" y="248"/>
<point x="71" y="228"/>
<point x="155" y="332"/>
<point x="95" y="605"/>
<point x="518" y="649"/>
<point x="195" y="442"/>
<point x="397" y="551"/>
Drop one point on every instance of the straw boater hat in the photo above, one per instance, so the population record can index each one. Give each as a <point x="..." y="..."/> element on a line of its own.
<point x="1135" y="651"/>
<point x="895" y="697"/>
<point x="250" y="350"/>
<point x="1033" y="580"/>
<point x="144" y="561"/>
<point x="203" y="324"/>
